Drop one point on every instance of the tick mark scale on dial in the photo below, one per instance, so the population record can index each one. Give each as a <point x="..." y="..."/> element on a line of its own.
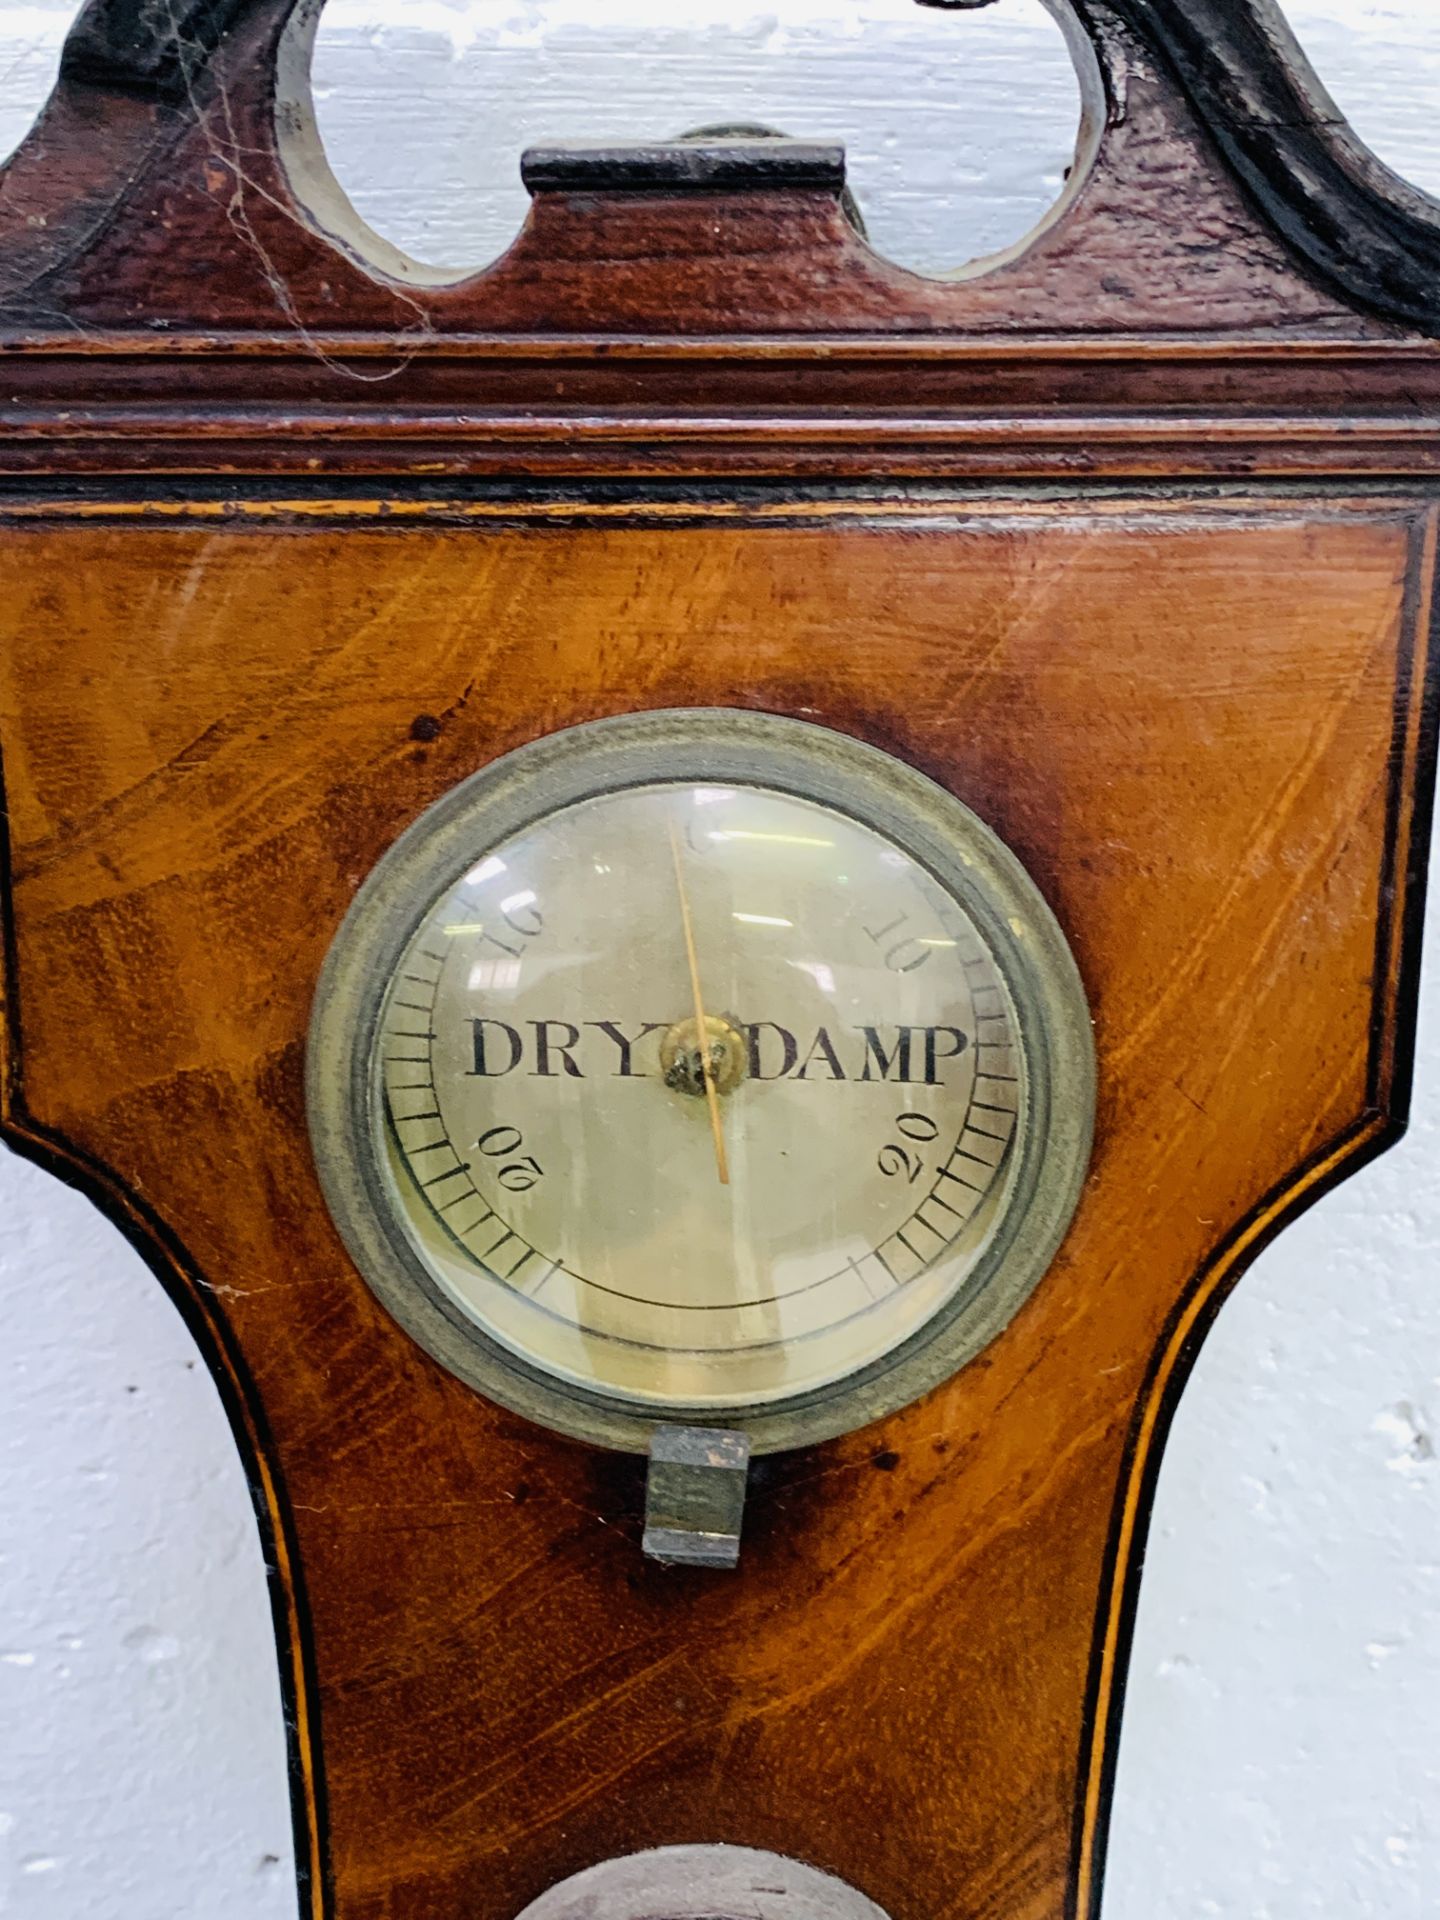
<point x="988" y="1129"/>
<point x="434" y="1198"/>
<point x="943" y="1235"/>
<point x="855" y="1267"/>
<point x="934" y="1200"/>
<point x="985" y="1168"/>
<point x="509" y="1275"/>
<point x="532" y="1286"/>
<point x="459" y="1229"/>
<point x="448" y="1174"/>
<point x="459" y="1200"/>
<point x="981" y="1145"/>
<point x="946" y="1174"/>
<point x="482" y="1058"/>
<point x="488" y="1253"/>
<point x="471" y="1212"/>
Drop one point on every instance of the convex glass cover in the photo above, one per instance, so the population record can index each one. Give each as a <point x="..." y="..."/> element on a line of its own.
<point x="701" y="1066"/>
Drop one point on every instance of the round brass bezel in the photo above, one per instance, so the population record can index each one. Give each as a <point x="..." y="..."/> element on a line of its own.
<point x="714" y="746"/>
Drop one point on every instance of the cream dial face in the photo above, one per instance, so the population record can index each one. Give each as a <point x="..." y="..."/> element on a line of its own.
<point x="668" y="1224"/>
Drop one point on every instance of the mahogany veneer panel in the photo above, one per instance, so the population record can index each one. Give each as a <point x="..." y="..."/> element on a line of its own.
<point x="1198" y="723"/>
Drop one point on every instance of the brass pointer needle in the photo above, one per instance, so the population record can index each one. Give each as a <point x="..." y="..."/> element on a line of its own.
<point x="712" y="1098"/>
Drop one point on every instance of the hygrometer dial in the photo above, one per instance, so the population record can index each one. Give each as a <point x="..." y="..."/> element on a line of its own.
<point x="701" y="1067"/>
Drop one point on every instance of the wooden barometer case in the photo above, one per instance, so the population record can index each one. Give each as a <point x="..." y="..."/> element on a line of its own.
<point x="698" y="846"/>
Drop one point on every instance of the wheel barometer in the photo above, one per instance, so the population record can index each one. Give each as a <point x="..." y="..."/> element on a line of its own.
<point x="701" y="1081"/>
<point x="584" y="846"/>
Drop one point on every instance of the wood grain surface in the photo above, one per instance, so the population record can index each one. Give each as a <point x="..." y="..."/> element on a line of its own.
<point x="1128" y="541"/>
<point x="177" y="179"/>
<point x="1232" y="287"/>
<point x="1202" y="723"/>
<point x="210" y="208"/>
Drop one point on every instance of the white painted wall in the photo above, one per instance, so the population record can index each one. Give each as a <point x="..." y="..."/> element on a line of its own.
<point x="1280" y="1759"/>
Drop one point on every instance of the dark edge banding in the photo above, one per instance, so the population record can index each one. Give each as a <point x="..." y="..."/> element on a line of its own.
<point x="1415" y="752"/>
<point x="1410" y="804"/>
<point x="241" y="1403"/>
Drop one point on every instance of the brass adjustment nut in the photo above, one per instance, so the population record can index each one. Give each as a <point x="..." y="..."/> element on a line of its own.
<point x="729" y="1056"/>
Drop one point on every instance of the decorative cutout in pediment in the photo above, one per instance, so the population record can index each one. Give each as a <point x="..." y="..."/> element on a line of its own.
<point x="176" y="182"/>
